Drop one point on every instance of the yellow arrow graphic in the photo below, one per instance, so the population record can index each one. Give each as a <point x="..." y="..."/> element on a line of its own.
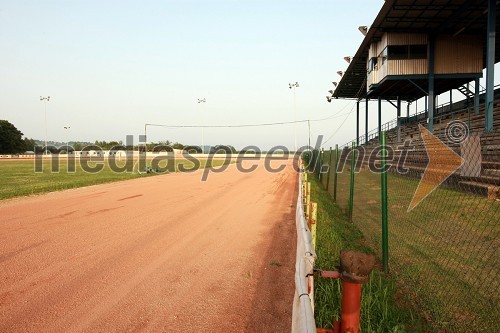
<point x="443" y="162"/>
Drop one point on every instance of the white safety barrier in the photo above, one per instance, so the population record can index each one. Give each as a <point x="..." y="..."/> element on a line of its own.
<point x="303" y="314"/>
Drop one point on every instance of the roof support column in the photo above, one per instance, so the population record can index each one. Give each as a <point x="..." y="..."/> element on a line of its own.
<point x="490" y="65"/>
<point x="407" y="111"/>
<point x="476" y="96"/>
<point x="451" y="98"/>
<point x="468" y="109"/>
<point x="379" y="118"/>
<point x="398" y="103"/>
<point x="425" y="106"/>
<point x="366" y="117"/>
<point x="432" y="99"/>
<point x="357" y="123"/>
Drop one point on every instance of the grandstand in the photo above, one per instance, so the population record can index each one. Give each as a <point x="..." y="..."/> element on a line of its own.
<point x="417" y="50"/>
<point x="443" y="252"/>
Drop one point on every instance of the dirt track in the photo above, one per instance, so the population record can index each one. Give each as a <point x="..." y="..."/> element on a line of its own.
<point x="160" y="254"/>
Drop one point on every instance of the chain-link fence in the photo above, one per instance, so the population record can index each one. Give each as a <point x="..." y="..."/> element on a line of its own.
<point x="443" y="207"/>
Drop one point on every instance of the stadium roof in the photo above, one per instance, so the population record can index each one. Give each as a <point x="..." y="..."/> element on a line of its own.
<point x="423" y="16"/>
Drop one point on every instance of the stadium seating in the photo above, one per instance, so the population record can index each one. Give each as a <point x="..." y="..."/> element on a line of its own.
<point x="487" y="184"/>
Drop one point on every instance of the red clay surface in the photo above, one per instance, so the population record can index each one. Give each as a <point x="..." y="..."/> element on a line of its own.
<point x="160" y="254"/>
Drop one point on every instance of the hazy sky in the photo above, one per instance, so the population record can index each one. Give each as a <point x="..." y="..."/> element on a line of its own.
<point x="112" y="66"/>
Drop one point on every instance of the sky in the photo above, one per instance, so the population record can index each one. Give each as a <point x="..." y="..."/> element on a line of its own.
<point x="112" y="66"/>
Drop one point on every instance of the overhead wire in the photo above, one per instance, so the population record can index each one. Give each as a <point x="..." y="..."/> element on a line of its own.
<point x="338" y="128"/>
<point x="336" y="115"/>
<point x="358" y="94"/>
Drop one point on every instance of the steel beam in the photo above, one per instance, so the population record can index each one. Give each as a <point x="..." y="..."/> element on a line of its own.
<point x="398" y="106"/>
<point x="425" y="105"/>
<point x="476" y="96"/>
<point x="468" y="109"/>
<point x="392" y="103"/>
<point x="357" y="123"/>
<point x="432" y="100"/>
<point x="490" y="66"/>
<point x="366" y="122"/>
<point x="416" y="85"/>
<point x="379" y="117"/>
<point x="451" y="99"/>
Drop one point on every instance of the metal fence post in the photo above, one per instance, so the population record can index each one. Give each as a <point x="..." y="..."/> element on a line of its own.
<point x="329" y="169"/>
<point x="351" y="192"/>
<point x="316" y="163"/>
<point x="385" y="230"/>
<point x="312" y="162"/>
<point x="320" y="171"/>
<point x="335" y="173"/>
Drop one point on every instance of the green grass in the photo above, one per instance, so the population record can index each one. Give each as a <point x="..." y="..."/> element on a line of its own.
<point x="443" y="254"/>
<point x="18" y="177"/>
<point x="382" y="309"/>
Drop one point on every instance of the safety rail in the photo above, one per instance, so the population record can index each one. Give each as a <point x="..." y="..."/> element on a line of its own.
<point x="303" y="302"/>
<point x="355" y="270"/>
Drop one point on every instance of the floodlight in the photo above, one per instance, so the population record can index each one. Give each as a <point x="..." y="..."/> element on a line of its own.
<point x="363" y="29"/>
<point x="340" y="73"/>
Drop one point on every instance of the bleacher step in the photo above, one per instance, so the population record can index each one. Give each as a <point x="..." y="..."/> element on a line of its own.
<point x="490" y="191"/>
<point x="492" y="172"/>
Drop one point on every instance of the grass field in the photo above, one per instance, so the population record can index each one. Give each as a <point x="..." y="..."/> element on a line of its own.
<point x="382" y="309"/>
<point x="443" y="254"/>
<point x="18" y="177"/>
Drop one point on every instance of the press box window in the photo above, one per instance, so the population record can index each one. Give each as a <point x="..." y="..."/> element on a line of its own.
<point x="372" y="65"/>
<point x="418" y="52"/>
<point x="397" y="52"/>
<point x="384" y="56"/>
<point x="403" y="52"/>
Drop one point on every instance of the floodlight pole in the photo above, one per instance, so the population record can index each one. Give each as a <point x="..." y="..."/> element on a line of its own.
<point x="45" y="100"/>
<point x="67" y="140"/>
<point x="294" y="119"/>
<point x="294" y="85"/>
<point x="203" y="100"/>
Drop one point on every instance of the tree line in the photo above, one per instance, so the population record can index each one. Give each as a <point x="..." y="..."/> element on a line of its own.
<point x="13" y="142"/>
